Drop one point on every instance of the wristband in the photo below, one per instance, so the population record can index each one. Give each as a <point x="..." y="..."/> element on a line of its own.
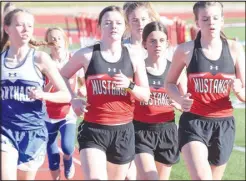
<point x="131" y="85"/>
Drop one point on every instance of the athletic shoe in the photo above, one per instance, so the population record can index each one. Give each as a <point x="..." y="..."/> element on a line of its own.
<point x="69" y="169"/>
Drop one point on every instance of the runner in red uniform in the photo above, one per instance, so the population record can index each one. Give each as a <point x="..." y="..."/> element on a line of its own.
<point x="156" y="134"/>
<point x="113" y="79"/>
<point x="214" y="66"/>
<point x="61" y="116"/>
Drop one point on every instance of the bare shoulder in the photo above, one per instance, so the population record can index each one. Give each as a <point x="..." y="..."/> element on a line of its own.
<point x="43" y="60"/>
<point x="183" y="52"/>
<point x="185" y="48"/>
<point x="41" y="57"/>
<point x="83" y="56"/>
<point x="85" y="52"/>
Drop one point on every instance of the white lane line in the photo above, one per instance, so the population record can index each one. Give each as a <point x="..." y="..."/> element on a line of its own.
<point x="238" y="104"/>
<point x="239" y="148"/>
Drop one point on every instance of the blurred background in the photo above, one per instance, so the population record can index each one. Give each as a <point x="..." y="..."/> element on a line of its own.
<point x="79" y="19"/>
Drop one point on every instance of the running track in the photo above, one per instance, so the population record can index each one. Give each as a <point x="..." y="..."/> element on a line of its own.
<point x="44" y="173"/>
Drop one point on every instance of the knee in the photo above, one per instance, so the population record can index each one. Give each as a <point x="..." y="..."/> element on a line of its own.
<point x="52" y="148"/>
<point x="68" y="149"/>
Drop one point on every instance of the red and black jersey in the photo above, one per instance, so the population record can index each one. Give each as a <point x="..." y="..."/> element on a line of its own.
<point x="59" y="110"/>
<point x="157" y="109"/>
<point x="108" y="104"/>
<point x="209" y="82"/>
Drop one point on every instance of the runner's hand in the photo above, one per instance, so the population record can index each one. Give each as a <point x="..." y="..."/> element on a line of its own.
<point x="79" y="106"/>
<point x="121" y="81"/>
<point x="186" y="102"/>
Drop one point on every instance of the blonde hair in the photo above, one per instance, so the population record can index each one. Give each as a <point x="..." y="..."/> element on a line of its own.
<point x="5" y="43"/>
<point x="129" y="7"/>
<point x="59" y="29"/>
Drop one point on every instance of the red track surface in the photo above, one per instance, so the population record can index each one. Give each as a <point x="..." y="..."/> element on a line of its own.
<point x="44" y="173"/>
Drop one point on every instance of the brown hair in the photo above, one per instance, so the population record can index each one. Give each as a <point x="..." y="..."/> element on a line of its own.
<point x="108" y="9"/>
<point x="7" y="22"/>
<point x="153" y="26"/>
<point x="203" y="5"/>
<point x="129" y="7"/>
<point x="59" y="29"/>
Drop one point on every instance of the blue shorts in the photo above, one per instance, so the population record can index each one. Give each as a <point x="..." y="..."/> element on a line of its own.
<point x="30" y="145"/>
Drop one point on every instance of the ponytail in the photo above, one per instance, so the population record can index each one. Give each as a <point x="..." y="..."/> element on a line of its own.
<point x="199" y="35"/>
<point x="222" y="35"/>
<point x="41" y="43"/>
<point x="4" y="42"/>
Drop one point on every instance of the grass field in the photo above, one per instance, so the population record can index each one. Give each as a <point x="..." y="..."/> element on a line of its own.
<point x="235" y="168"/>
<point x="233" y="32"/>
